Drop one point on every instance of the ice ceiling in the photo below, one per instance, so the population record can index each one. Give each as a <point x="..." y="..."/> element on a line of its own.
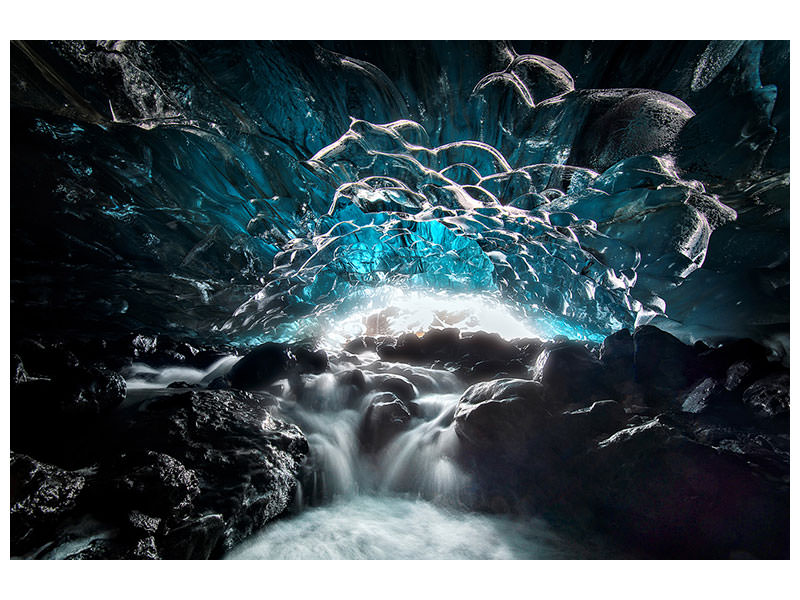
<point x="254" y="191"/>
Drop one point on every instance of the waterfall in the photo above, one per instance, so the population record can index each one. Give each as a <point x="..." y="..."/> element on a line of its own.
<point x="417" y="461"/>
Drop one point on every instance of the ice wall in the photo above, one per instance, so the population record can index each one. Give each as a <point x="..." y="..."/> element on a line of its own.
<point x="262" y="190"/>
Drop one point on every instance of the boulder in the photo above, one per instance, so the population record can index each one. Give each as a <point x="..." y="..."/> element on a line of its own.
<point x="385" y="417"/>
<point x="479" y="345"/>
<point x="769" y="396"/>
<point x="309" y="360"/>
<point x="353" y="378"/>
<point x="603" y="416"/>
<point x="361" y="344"/>
<point x="261" y="367"/>
<point x="616" y="354"/>
<point x="407" y="348"/>
<point x="672" y="497"/>
<point x="571" y="375"/>
<point x="492" y="369"/>
<point x="152" y="483"/>
<point x="182" y="385"/>
<point x="42" y="497"/>
<point x="397" y="385"/>
<point x="475" y="355"/>
<point x="752" y="357"/>
<point x="219" y="383"/>
<point x="701" y="395"/>
<point x="190" y="474"/>
<point x="663" y="364"/>
<point x="438" y="344"/>
<point x="502" y="417"/>
<point x="142" y="525"/>
<point x="245" y="462"/>
<point x="267" y="363"/>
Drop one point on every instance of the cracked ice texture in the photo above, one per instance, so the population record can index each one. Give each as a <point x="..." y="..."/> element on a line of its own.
<point x="255" y="190"/>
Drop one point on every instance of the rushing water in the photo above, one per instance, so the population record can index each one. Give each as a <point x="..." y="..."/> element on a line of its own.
<point x="401" y="499"/>
<point x="386" y="527"/>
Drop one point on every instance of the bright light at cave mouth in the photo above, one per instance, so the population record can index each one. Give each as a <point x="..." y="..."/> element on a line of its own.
<point x="393" y="311"/>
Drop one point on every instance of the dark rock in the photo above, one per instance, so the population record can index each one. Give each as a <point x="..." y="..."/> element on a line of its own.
<point x="195" y="472"/>
<point x="616" y="353"/>
<point x="493" y="369"/>
<point x="465" y="351"/>
<point x="102" y="549"/>
<point x="219" y="383"/>
<point x="143" y="345"/>
<point x="439" y="343"/>
<point x="269" y="362"/>
<point x="353" y="378"/>
<point x="186" y="349"/>
<point x="18" y="373"/>
<point x="96" y="390"/>
<point x="42" y="497"/>
<point x="346" y="358"/>
<point x="421" y="378"/>
<point x="310" y="361"/>
<point x="502" y="417"/>
<point x="663" y="364"/>
<point x="407" y="348"/>
<point x="529" y="348"/>
<point x="245" y="461"/>
<point x="361" y="344"/>
<point x="195" y="539"/>
<point x="747" y="353"/>
<point x="397" y="385"/>
<point x="769" y="397"/>
<point x="144" y="549"/>
<point x="156" y="351"/>
<point x="118" y="549"/>
<point x="675" y="498"/>
<point x="712" y="397"/>
<point x="44" y="359"/>
<point x="736" y="375"/>
<point x="604" y="416"/>
<point x="142" y="524"/>
<point x="570" y="374"/>
<point x="81" y="391"/>
<point x="153" y="482"/>
<point x="769" y="451"/>
<point x="183" y="385"/>
<point x="480" y="345"/>
<point x="698" y="399"/>
<point x="386" y="417"/>
<point x="260" y="367"/>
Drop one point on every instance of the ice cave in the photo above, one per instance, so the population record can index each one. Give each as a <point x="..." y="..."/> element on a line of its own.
<point x="378" y="300"/>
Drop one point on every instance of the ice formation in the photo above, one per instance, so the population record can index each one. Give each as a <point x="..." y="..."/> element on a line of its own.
<point x="269" y="191"/>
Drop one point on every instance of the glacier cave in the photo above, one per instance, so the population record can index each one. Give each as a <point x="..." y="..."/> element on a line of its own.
<point x="411" y="300"/>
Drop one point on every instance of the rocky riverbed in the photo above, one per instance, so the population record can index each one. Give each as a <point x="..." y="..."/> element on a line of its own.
<point x="660" y="449"/>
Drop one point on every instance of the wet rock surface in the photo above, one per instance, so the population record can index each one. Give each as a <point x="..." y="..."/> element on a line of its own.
<point x="682" y="459"/>
<point x="42" y="495"/>
<point x="670" y="450"/>
<point x="385" y="417"/>
<point x="270" y="362"/>
<point x="186" y="473"/>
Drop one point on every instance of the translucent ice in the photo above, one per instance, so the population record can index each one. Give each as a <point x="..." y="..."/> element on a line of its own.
<point x="258" y="191"/>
